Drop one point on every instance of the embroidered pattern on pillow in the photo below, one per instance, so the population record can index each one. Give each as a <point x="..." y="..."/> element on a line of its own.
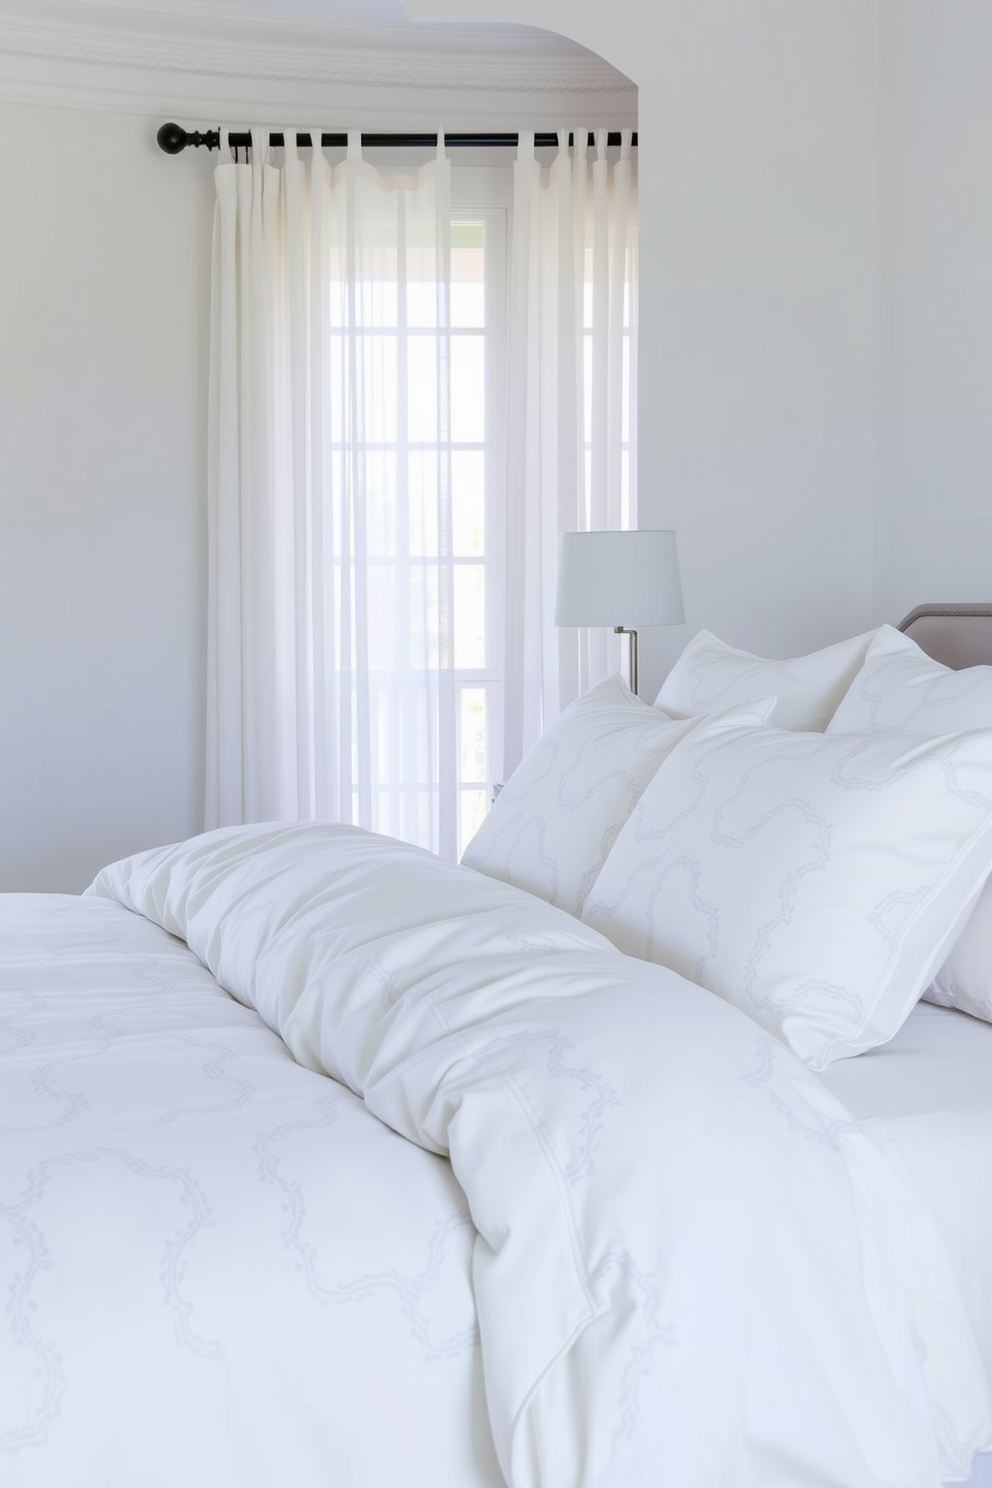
<point x="552" y="825"/>
<point x="816" y="882"/>
<point x="711" y="675"/>
<point x="900" y="689"/>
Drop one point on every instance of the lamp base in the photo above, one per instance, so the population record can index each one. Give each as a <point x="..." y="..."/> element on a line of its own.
<point x="623" y="630"/>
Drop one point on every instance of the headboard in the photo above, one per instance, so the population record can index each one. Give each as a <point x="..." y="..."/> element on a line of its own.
<point x="957" y="635"/>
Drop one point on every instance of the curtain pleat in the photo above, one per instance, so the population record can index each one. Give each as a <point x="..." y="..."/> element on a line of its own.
<point x="333" y="689"/>
<point x="571" y="388"/>
<point x="331" y="641"/>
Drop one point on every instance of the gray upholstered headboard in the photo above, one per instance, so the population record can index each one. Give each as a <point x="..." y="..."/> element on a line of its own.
<point x="957" y="635"/>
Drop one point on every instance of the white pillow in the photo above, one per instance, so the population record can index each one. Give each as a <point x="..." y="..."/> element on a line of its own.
<point x="710" y="675"/>
<point x="964" y="981"/>
<point x="900" y="689"/>
<point x="553" y="823"/>
<point x="814" y="882"/>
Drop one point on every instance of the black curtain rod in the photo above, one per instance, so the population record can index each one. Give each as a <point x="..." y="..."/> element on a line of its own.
<point x="173" y="139"/>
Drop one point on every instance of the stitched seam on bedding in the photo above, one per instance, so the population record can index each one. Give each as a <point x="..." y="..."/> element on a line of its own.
<point x="917" y="983"/>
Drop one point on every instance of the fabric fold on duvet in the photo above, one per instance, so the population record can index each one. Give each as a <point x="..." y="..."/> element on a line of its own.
<point x="692" y="1267"/>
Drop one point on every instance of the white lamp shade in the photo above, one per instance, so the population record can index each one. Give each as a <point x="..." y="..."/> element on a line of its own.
<point x="628" y="579"/>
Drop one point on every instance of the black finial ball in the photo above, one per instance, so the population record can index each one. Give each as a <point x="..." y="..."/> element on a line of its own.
<point x="172" y="139"/>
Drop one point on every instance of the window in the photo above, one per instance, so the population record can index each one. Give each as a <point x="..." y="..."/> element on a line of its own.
<point x="405" y="471"/>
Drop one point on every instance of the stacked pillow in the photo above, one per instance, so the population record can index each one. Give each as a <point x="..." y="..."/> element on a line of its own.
<point x="552" y="825"/>
<point x="821" y="880"/>
<point x="899" y="689"/>
<point x="710" y="674"/>
<point x="816" y="882"/>
<point x="902" y="690"/>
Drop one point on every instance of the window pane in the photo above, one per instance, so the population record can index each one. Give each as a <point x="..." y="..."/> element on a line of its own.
<point x="421" y="282"/>
<point x="468" y="275"/>
<point x="377" y="368"/>
<point x="337" y="289"/>
<point x="468" y="305"/>
<point x="468" y="490"/>
<point x="380" y="504"/>
<point x="473" y="735"/>
<point x="422" y="389"/>
<point x="422" y="467"/>
<point x="381" y="613"/>
<point x="375" y="302"/>
<point x="421" y="303"/>
<point x="420" y="641"/>
<point x="470" y="616"/>
<point x="468" y="389"/>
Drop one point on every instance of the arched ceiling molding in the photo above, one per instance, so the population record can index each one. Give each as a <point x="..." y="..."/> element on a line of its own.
<point x="620" y="31"/>
<point x="264" y="66"/>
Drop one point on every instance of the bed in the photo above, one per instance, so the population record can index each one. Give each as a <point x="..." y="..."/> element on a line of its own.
<point x="326" y="1163"/>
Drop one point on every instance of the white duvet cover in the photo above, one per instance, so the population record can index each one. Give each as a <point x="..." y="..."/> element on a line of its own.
<point x="926" y="1099"/>
<point x="217" y="1269"/>
<point x="690" y="1267"/>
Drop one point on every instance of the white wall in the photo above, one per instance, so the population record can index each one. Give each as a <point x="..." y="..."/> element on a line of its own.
<point x="104" y="263"/>
<point x="934" y="498"/>
<point x="757" y="304"/>
<point x="757" y="169"/>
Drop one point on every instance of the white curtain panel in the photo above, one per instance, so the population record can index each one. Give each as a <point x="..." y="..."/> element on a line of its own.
<point x="330" y="615"/>
<point x="571" y="401"/>
<point x="333" y="690"/>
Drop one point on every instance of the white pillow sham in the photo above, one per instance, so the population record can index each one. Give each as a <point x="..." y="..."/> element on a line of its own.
<point x="556" y="818"/>
<point x="814" y="882"/>
<point x="900" y="689"/>
<point x="710" y="675"/>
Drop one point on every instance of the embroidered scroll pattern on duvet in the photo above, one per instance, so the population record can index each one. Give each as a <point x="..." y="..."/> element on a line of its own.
<point x="616" y="1297"/>
<point x="183" y="1208"/>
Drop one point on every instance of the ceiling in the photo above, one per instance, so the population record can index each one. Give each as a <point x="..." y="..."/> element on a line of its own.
<point x="366" y="12"/>
<point x="176" y="16"/>
<point x="239" y="58"/>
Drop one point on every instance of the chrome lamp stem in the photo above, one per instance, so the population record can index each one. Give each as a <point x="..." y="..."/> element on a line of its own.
<point x="623" y="630"/>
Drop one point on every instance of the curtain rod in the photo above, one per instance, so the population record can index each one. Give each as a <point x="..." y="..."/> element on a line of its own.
<point x="173" y="139"/>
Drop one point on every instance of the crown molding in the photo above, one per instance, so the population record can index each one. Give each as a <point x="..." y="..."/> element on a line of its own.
<point x="118" y="42"/>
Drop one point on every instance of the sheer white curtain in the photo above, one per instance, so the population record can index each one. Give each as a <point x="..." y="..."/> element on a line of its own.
<point x="570" y="407"/>
<point x="330" y="610"/>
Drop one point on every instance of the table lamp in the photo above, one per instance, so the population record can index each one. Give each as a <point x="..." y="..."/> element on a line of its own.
<point x="621" y="579"/>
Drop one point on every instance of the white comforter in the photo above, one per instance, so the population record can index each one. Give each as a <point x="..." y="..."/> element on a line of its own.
<point x="217" y="1269"/>
<point x="691" y="1266"/>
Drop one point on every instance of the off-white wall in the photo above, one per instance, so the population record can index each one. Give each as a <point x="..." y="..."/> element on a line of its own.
<point x="104" y="264"/>
<point x="757" y="165"/>
<point x="757" y="335"/>
<point x="934" y="496"/>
